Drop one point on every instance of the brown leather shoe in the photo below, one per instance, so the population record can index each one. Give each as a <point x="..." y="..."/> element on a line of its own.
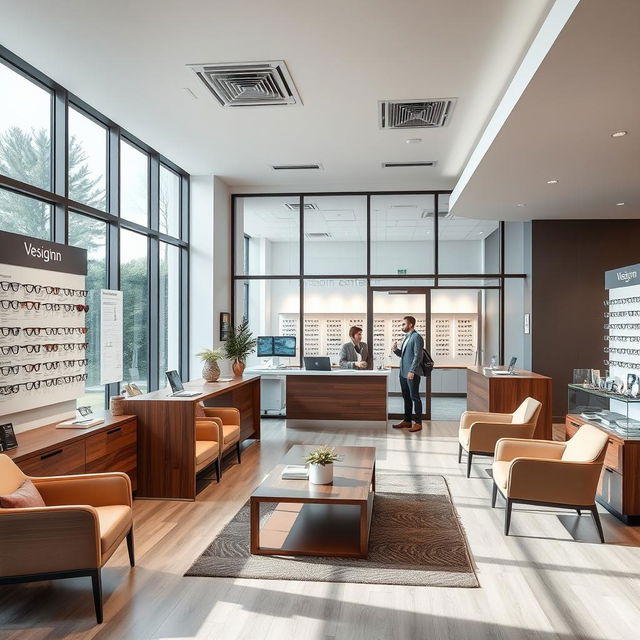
<point x="415" y="427"/>
<point x="401" y="425"/>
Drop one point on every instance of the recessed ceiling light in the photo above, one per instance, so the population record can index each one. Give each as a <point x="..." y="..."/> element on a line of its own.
<point x="618" y="134"/>
<point x="413" y="140"/>
<point x="552" y="182"/>
<point x="619" y="204"/>
<point x="521" y="204"/>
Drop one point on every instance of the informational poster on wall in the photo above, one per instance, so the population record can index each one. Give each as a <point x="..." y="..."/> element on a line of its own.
<point x="43" y="336"/>
<point x="110" y="336"/>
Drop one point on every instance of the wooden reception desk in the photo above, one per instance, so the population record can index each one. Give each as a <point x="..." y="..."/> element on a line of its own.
<point x="166" y="432"/>
<point x="504" y="393"/>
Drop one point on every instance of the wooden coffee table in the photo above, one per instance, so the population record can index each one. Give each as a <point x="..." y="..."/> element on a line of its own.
<point x="317" y="520"/>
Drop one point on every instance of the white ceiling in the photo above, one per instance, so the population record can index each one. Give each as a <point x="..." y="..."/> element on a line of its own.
<point x="344" y="218"/>
<point x="587" y="87"/>
<point x="128" y="59"/>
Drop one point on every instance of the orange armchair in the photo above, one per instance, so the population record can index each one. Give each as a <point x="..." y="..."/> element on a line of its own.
<point x="85" y="519"/>
<point x="549" y="473"/>
<point x="207" y="445"/>
<point x="480" y="431"/>
<point x="228" y="421"/>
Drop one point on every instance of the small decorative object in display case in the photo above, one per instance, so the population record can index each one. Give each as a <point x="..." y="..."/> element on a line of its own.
<point x="618" y="413"/>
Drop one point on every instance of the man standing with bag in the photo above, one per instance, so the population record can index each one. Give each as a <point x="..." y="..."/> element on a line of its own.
<point x="411" y="370"/>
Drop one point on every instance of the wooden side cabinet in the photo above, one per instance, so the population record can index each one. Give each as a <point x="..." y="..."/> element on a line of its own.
<point x="110" y="446"/>
<point x="619" y="486"/>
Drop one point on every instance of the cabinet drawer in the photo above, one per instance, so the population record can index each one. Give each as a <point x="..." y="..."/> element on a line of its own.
<point x="65" y="460"/>
<point x="113" y="450"/>
<point x="613" y="455"/>
<point x="610" y="489"/>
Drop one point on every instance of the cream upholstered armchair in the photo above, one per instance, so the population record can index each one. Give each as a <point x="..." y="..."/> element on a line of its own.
<point x="82" y="522"/>
<point x="228" y="421"/>
<point x="207" y="445"/>
<point x="552" y="474"/>
<point x="479" y="431"/>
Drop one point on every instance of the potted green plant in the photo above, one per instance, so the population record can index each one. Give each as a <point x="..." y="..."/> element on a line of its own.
<point x="210" y="368"/>
<point x="320" y="463"/>
<point x="239" y="344"/>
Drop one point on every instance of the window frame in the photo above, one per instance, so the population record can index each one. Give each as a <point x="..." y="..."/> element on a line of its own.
<point x="58" y="197"/>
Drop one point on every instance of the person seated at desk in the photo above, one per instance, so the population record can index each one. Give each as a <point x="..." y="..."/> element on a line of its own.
<point x="355" y="353"/>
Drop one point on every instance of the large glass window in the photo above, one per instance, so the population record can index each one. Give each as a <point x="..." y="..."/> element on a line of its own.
<point x="134" y="184"/>
<point x="169" y="309"/>
<point x="335" y="235"/>
<point x="91" y="234"/>
<point x="25" y="129"/>
<point x="169" y="202"/>
<point x="27" y="216"/>
<point x="402" y="234"/>
<point x="134" y="282"/>
<point x="87" y="160"/>
<point x="268" y="229"/>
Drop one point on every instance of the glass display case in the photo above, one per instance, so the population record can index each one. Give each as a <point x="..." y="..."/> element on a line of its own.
<point x="615" y="412"/>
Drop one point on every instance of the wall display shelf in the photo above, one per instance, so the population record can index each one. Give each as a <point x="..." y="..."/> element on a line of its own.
<point x="454" y="336"/>
<point x="43" y="341"/>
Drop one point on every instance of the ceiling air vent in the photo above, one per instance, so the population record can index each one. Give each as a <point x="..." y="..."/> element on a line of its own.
<point x="295" y="206"/>
<point x="318" y="236"/>
<point x="425" y="163"/>
<point x="295" y="167"/>
<point x="248" y="84"/>
<point x="416" y="114"/>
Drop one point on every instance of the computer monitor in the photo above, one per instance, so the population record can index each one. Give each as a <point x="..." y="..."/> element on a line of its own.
<point x="265" y="346"/>
<point x="284" y="346"/>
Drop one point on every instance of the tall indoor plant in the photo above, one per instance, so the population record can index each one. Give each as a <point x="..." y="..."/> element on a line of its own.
<point x="239" y="344"/>
<point x="210" y="368"/>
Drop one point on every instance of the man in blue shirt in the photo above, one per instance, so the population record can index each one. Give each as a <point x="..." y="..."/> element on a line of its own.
<point x="410" y="354"/>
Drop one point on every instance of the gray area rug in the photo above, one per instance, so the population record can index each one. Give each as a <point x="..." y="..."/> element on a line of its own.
<point x="415" y="539"/>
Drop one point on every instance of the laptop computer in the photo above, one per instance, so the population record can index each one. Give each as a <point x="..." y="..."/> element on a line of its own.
<point x="317" y="363"/>
<point x="177" y="387"/>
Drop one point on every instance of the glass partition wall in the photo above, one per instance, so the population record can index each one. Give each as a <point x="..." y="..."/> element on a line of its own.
<point x="70" y="174"/>
<point x="313" y="265"/>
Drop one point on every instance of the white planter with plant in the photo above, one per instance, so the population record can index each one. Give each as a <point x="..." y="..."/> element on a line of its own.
<point x="320" y="463"/>
<point x="210" y="368"/>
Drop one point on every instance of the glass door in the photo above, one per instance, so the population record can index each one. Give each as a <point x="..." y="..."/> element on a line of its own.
<point x="388" y="306"/>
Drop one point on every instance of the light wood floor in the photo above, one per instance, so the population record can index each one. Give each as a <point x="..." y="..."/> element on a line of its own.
<point x="549" y="579"/>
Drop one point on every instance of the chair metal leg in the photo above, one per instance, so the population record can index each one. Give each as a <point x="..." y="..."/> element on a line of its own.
<point x="218" y="471"/>
<point x="238" y="452"/>
<point x="96" y="580"/>
<point x="596" y="519"/>
<point x="507" y="517"/>
<point x="579" y="512"/>
<point x="132" y="557"/>
<point x="469" y="457"/>
<point x="494" y="495"/>
<point x="459" y="453"/>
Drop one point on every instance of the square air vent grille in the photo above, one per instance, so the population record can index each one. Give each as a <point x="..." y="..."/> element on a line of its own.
<point x="416" y="114"/>
<point x="318" y="236"/>
<point x="295" y="206"/>
<point x="248" y="84"/>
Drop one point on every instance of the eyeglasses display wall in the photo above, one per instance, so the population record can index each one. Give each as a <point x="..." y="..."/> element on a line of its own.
<point x="43" y="337"/>
<point x="454" y="337"/>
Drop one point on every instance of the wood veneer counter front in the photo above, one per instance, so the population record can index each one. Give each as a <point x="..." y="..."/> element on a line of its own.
<point x="505" y="393"/>
<point x="166" y="432"/>
<point x="43" y="439"/>
<point x="341" y="396"/>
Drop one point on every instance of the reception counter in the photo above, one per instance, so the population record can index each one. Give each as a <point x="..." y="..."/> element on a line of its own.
<point x="339" y="394"/>
<point x="504" y="393"/>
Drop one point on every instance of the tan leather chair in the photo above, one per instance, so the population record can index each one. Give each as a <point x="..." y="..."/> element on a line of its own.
<point x="85" y="519"/>
<point x="480" y="431"/>
<point x="207" y="445"/>
<point x="228" y="421"/>
<point x="552" y="474"/>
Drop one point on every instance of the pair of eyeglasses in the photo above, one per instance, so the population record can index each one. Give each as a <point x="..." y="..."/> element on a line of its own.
<point x="9" y="331"/>
<point x="5" y="285"/>
<point x="7" y="371"/>
<point x="9" y="349"/>
<point x="9" y="389"/>
<point x="9" y="304"/>
<point x="73" y="363"/>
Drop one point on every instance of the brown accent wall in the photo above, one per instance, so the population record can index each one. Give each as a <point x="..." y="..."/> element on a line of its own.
<point x="569" y="258"/>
